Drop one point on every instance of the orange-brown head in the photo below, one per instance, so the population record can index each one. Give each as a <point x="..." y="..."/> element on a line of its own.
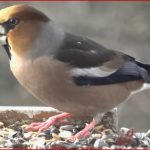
<point x="19" y="27"/>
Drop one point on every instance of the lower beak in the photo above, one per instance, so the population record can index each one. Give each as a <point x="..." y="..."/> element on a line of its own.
<point x="3" y="36"/>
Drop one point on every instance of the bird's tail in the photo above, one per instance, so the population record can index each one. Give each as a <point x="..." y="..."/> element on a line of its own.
<point x="144" y="71"/>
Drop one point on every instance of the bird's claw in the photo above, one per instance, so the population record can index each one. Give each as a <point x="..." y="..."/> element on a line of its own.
<point x="78" y="136"/>
<point x="41" y="126"/>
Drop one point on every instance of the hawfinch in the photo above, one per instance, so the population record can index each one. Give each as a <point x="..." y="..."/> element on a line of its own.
<point x="68" y="72"/>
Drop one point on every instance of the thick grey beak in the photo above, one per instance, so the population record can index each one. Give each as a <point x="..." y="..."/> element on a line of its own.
<point x="3" y="40"/>
<point x="3" y="36"/>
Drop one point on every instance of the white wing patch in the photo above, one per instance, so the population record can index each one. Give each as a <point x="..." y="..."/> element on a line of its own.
<point x="92" y="72"/>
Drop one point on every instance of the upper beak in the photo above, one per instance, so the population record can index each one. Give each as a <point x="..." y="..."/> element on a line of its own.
<point x="3" y="35"/>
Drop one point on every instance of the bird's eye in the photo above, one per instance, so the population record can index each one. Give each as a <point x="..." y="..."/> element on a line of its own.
<point x="13" y="21"/>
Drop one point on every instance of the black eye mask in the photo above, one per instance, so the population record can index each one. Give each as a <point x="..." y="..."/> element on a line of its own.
<point x="10" y="24"/>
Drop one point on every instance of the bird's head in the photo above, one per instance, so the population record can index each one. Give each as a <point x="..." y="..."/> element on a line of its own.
<point x="19" y="27"/>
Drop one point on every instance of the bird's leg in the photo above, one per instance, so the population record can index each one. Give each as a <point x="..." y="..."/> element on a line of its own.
<point x="85" y="132"/>
<point x="41" y="126"/>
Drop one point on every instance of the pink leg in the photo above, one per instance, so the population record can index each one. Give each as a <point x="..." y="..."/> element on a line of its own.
<point x="85" y="132"/>
<point x="41" y="126"/>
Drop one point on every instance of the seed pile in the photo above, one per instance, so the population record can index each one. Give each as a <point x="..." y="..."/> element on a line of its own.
<point x="15" y="136"/>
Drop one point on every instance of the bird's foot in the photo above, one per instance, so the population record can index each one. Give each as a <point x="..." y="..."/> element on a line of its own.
<point x="41" y="126"/>
<point x="78" y="136"/>
<point x="83" y="133"/>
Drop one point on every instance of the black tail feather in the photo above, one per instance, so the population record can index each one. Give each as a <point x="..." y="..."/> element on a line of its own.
<point x="144" y="71"/>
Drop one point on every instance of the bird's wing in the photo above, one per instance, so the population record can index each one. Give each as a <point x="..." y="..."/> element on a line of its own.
<point x="93" y="64"/>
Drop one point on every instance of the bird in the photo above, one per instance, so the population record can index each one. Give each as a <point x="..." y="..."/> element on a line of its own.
<point x="69" y="72"/>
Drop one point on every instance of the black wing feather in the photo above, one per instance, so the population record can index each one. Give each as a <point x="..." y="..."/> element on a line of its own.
<point x="81" y="53"/>
<point x="129" y="71"/>
<point x="84" y="53"/>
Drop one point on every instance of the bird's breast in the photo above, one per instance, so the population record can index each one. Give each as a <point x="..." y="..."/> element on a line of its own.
<point x="49" y="80"/>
